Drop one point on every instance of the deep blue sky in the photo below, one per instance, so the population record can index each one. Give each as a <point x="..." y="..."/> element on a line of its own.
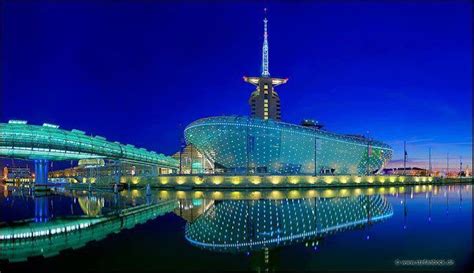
<point x="139" y="72"/>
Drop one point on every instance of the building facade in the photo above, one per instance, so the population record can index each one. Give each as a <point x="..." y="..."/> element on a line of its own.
<point x="242" y="145"/>
<point x="17" y="174"/>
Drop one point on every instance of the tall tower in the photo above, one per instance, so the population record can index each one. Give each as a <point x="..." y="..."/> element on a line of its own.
<point x="264" y="101"/>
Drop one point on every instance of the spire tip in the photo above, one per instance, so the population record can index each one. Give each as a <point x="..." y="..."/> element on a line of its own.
<point x="265" y="72"/>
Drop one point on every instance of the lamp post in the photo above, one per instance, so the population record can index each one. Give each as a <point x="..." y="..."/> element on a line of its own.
<point x="181" y="156"/>
<point x="429" y="165"/>
<point x="404" y="157"/>
<point x="315" y="156"/>
<point x="368" y="154"/>
<point x="447" y="165"/>
<point x="191" y="147"/>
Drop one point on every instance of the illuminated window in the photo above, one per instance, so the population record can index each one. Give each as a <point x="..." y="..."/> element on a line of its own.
<point x="265" y="105"/>
<point x="265" y="100"/>
<point x="265" y="86"/>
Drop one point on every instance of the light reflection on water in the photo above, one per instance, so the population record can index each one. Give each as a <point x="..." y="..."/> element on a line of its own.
<point x="250" y="222"/>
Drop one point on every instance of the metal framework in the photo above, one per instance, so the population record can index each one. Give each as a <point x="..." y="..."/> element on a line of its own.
<point x="265" y="62"/>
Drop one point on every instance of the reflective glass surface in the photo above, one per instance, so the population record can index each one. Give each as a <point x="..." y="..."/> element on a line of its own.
<point x="241" y="144"/>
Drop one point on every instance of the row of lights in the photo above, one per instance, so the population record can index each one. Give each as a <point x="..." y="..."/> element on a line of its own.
<point x="47" y="232"/>
<point x="276" y="180"/>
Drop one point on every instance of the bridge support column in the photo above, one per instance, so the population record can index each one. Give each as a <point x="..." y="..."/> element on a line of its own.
<point x="42" y="209"/>
<point x="41" y="171"/>
<point x="117" y="172"/>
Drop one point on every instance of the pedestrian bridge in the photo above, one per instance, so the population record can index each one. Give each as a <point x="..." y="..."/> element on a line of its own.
<point x="48" y="237"/>
<point x="21" y="140"/>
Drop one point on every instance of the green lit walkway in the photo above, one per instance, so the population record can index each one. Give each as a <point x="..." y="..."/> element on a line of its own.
<point x="47" y="142"/>
<point x="21" y="240"/>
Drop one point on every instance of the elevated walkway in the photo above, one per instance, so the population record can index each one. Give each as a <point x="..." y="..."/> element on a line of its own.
<point x="45" y="143"/>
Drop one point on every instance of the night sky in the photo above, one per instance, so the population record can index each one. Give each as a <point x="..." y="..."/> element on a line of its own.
<point x="139" y="72"/>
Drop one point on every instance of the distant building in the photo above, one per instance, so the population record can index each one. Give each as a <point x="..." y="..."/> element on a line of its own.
<point x="5" y="173"/>
<point x="17" y="174"/>
<point x="91" y="163"/>
<point x="110" y="168"/>
<point x="412" y="171"/>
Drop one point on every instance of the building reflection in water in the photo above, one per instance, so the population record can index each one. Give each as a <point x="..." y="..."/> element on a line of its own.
<point x="191" y="209"/>
<point x="256" y="223"/>
<point x="45" y="236"/>
<point x="91" y="205"/>
<point x="261" y="227"/>
<point x="250" y="225"/>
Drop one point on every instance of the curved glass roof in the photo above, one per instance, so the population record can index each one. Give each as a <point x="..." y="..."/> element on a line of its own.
<point x="25" y="141"/>
<point x="283" y="126"/>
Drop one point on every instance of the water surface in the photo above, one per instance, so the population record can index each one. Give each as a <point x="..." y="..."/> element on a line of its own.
<point x="313" y="230"/>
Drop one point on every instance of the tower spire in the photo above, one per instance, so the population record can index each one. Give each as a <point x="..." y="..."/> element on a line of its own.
<point x="264" y="101"/>
<point x="265" y="71"/>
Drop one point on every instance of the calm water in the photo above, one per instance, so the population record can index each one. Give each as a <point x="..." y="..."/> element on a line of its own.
<point x="313" y="230"/>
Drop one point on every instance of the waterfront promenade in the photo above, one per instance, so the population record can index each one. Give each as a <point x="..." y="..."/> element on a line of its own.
<point x="270" y="181"/>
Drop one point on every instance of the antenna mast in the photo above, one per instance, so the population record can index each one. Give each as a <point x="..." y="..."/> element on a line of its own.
<point x="265" y="62"/>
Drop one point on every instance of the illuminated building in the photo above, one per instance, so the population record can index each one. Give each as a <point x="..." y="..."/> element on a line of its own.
<point x="414" y="171"/>
<point x="252" y="225"/>
<point x="91" y="163"/>
<point x="108" y="172"/>
<point x="17" y="174"/>
<point x="263" y="144"/>
<point x="5" y="173"/>
<point x="252" y="145"/>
